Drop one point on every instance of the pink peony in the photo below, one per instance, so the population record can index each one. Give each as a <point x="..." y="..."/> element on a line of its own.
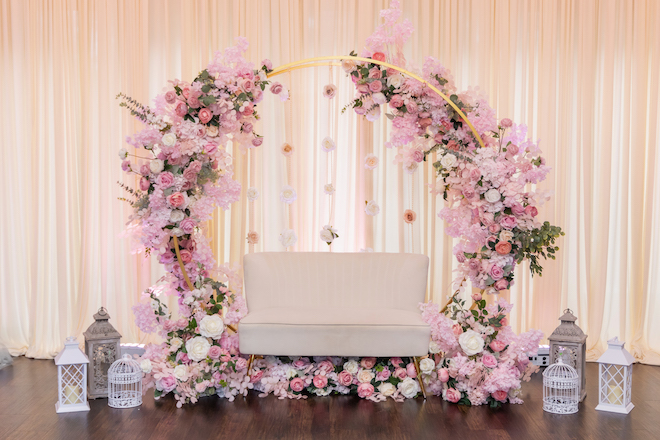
<point x="365" y="390"/>
<point x="297" y="384"/>
<point x="443" y="375"/>
<point x="375" y="86"/>
<point x="508" y="222"/>
<point x="531" y="210"/>
<point x="320" y="381"/>
<point x="500" y="395"/>
<point x="176" y="199"/>
<point x="400" y="373"/>
<point x="496" y="272"/>
<point x="167" y="383"/>
<point x="170" y="97"/>
<point x="345" y="378"/>
<point x="276" y="88"/>
<point x="205" y="115"/>
<point x="326" y="366"/>
<point x="383" y="375"/>
<point x="200" y="387"/>
<point x="503" y="247"/>
<point x="517" y="209"/>
<point x="396" y="101"/>
<point x="489" y="360"/>
<point x="497" y="346"/>
<point x="501" y="284"/>
<point x="181" y="108"/>
<point x="453" y="395"/>
<point x="215" y="352"/>
<point x="241" y="363"/>
<point x="411" y="371"/>
<point x="368" y="362"/>
<point x="165" y="179"/>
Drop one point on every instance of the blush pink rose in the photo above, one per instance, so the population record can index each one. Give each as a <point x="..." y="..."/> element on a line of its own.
<point x="276" y="88"/>
<point x="503" y="247"/>
<point x="320" y="381"/>
<point x="205" y="115"/>
<point x="424" y="122"/>
<point x="489" y="361"/>
<point x="186" y="92"/>
<point x="215" y="352"/>
<point x="443" y="375"/>
<point x="497" y="346"/>
<point x="509" y="222"/>
<point x="363" y="89"/>
<point x="496" y="272"/>
<point x="144" y="169"/>
<point x="506" y="123"/>
<point x="247" y="127"/>
<point x="457" y="329"/>
<point x="411" y="107"/>
<point x="144" y="184"/>
<point x="168" y="326"/>
<point x="247" y="85"/>
<point x="190" y="174"/>
<point x="375" y="86"/>
<point x="512" y="150"/>
<point x="396" y="361"/>
<point x="167" y="383"/>
<point x="368" y="362"/>
<point x="453" y="395"/>
<point x="494" y="228"/>
<point x="531" y="210"/>
<point x="504" y="322"/>
<point x="517" y="209"/>
<point x="476" y="297"/>
<point x="383" y="375"/>
<point x="188" y="225"/>
<point x="378" y="56"/>
<point x="256" y="377"/>
<point x="193" y="102"/>
<point x="396" y="101"/>
<point x="297" y="384"/>
<point x="257" y="141"/>
<point x="248" y="109"/>
<point x="176" y="199"/>
<point x="186" y="256"/>
<point x="418" y="156"/>
<point x="474" y="264"/>
<point x="411" y="371"/>
<point x="165" y="179"/>
<point x="326" y="366"/>
<point x="365" y="390"/>
<point x="181" y="108"/>
<point x="501" y="284"/>
<point x="500" y="395"/>
<point x="375" y="73"/>
<point x="241" y="363"/>
<point x="400" y="373"/>
<point x="167" y="258"/>
<point x="170" y="97"/>
<point x="300" y="363"/>
<point x="345" y="378"/>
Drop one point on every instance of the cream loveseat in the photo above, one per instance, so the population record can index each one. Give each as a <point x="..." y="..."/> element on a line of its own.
<point x="334" y="304"/>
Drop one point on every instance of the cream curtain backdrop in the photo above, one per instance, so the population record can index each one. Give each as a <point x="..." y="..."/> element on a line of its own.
<point x="583" y="75"/>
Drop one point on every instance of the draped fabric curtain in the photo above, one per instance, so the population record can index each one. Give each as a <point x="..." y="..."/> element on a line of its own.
<point x="583" y="75"/>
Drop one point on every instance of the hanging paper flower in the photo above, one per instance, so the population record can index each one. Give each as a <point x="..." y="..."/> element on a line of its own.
<point x="371" y="208"/>
<point x="288" y="238"/>
<point x="253" y="237"/>
<point x="328" y="234"/>
<point x="328" y="144"/>
<point x="370" y="162"/>
<point x="328" y="189"/>
<point x="288" y="195"/>
<point x="287" y="149"/>
<point x="329" y="91"/>
<point x="409" y="216"/>
<point x="252" y="194"/>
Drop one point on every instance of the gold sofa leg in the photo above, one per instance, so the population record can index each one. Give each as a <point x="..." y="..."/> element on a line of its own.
<point x="249" y="366"/>
<point x="419" y="376"/>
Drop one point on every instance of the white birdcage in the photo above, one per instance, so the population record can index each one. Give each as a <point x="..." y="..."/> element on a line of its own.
<point x="125" y="383"/>
<point x="561" y="389"/>
<point x="71" y="374"/>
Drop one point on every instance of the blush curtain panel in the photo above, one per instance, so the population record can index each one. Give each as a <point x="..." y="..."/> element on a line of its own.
<point x="583" y="75"/>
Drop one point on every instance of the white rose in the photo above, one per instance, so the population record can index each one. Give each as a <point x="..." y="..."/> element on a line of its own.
<point x="123" y="154"/>
<point x="372" y="208"/>
<point x="506" y="235"/>
<point x="471" y="342"/>
<point x="169" y="139"/>
<point x="395" y="80"/>
<point x="252" y="194"/>
<point x="351" y="366"/>
<point x="328" y="144"/>
<point x="386" y="389"/>
<point x="291" y="373"/>
<point x="411" y="167"/>
<point x="370" y="161"/>
<point x="448" y="161"/>
<point x="154" y="304"/>
<point x="176" y="215"/>
<point x="409" y="387"/>
<point x="427" y="365"/>
<point x="321" y="392"/>
<point x="288" y="195"/>
<point x="288" y="238"/>
<point x="188" y="300"/>
<point x="146" y="366"/>
<point x="365" y="376"/>
<point x="211" y="326"/>
<point x="492" y="195"/>
<point x="434" y="347"/>
<point x="348" y="65"/>
<point x="181" y="373"/>
<point x="212" y="130"/>
<point x="198" y="348"/>
<point x="379" y="98"/>
<point x="328" y="188"/>
<point x="175" y="344"/>
<point x="327" y="236"/>
<point x="156" y="166"/>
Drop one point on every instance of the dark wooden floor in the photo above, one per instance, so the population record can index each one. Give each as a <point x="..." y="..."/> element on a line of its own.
<point x="28" y="391"/>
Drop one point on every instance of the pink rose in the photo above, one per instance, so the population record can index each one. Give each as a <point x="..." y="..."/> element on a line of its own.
<point x="453" y="395"/>
<point x="167" y="258"/>
<point x="247" y="85"/>
<point x="424" y="122"/>
<point x="297" y="384"/>
<point x="186" y="92"/>
<point x="188" y="225"/>
<point x="186" y="256"/>
<point x="417" y="156"/>
<point x="170" y="97"/>
<point x="396" y="101"/>
<point x="476" y="297"/>
<point x="176" y="199"/>
<point x="345" y="378"/>
<point x="517" y="209"/>
<point x="320" y="381"/>
<point x="363" y="89"/>
<point x="400" y="373"/>
<point x="257" y="141"/>
<point x="531" y="210"/>
<point x="375" y="86"/>
<point x="365" y="390"/>
<point x="453" y="145"/>
<point x="503" y="247"/>
<point x="195" y="166"/>
<point x="215" y="352"/>
<point x="497" y="346"/>
<point x="210" y="148"/>
<point x="500" y="395"/>
<point x="168" y="326"/>
<point x="409" y="216"/>
<point x="193" y="102"/>
<point x="256" y="377"/>
<point x="411" y="371"/>
<point x="475" y="173"/>
<point x="508" y="222"/>
<point x="182" y="323"/>
<point x="144" y="184"/>
<point x="167" y="383"/>
<point x="504" y="322"/>
<point x="205" y="115"/>
<point x="368" y="363"/>
<point x="489" y="361"/>
<point x="375" y="73"/>
<point x="496" y="272"/>
<point x="501" y="284"/>
<point x="181" y="108"/>
<point x="512" y="150"/>
<point x="443" y="375"/>
<point x="494" y="228"/>
<point x="144" y="169"/>
<point x="190" y="174"/>
<point x="457" y="329"/>
<point x="468" y="193"/>
<point x="165" y="179"/>
<point x="474" y="264"/>
<point x="506" y="122"/>
<point x="383" y="375"/>
<point x="241" y="363"/>
<point x="268" y="64"/>
<point x="326" y="367"/>
<point x="257" y="95"/>
<point x="183" y="357"/>
<point x="248" y="109"/>
<point x="411" y="107"/>
<point x="378" y="56"/>
<point x="126" y="165"/>
<point x="247" y="127"/>
<point x="276" y="88"/>
<point x="396" y="361"/>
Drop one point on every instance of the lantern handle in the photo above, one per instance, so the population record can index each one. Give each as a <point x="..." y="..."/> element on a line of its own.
<point x="569" y="311"/>
<point x="103" y="311"/>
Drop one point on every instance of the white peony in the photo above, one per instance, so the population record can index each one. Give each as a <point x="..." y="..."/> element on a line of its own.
<point x="372" y="208"/>
<point x="379" y="98"/>
<point x="506" y="235"/>
<point x="181" y="373"/>
<point x="348" y="65"/>
<point x="328" y="144"/>
<point x="212" y="130"/>
<point x="288" y="238"/>
<point x="175" y="344"/>
<point x="252" y="194"/>
<point x="386" y="389"/>
<point x="146" y="366"/>
<point x="434" y="347"/>
<point x="351" y="366"/>
<point x="448" y="161"/>
<point x="288" y="195"/>
<point x="198" y="348"/>
<point x="409" y="387"/>
<point x="365" y="376"/>
<point x="169" y="139"/>
<point x="156" y="166"/>
<point x="471" y="342"/>
<point x="123" y="154"/>
<point x="427" y="365"/>
<point x="492" y="195"/>
<point x="395" y="81"/>
<point x="211" y="326"/>
<point x="177" y="215"/>
<point x="328" y="188"/>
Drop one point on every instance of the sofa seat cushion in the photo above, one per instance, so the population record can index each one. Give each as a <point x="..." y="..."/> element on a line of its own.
<point x="334" y="332"/>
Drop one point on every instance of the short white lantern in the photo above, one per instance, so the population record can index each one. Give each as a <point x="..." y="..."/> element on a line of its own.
<point x="615" y="378"/>
<point x="125" y="383"/>
<point x="72" y="376"/>
<point x="561" y="389"/>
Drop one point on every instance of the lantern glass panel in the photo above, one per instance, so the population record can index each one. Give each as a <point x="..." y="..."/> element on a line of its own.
<point x="72" y="384"/>
<point x="103" y="357"/>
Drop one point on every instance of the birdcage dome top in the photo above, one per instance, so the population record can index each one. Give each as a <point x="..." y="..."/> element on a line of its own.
<point x="560" y="371"/>
<point x="125" y="366"/>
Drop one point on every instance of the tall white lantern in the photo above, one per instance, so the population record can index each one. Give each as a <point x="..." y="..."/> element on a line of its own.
<point x="72" y="377"/>
<point x="615" y="378"/>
